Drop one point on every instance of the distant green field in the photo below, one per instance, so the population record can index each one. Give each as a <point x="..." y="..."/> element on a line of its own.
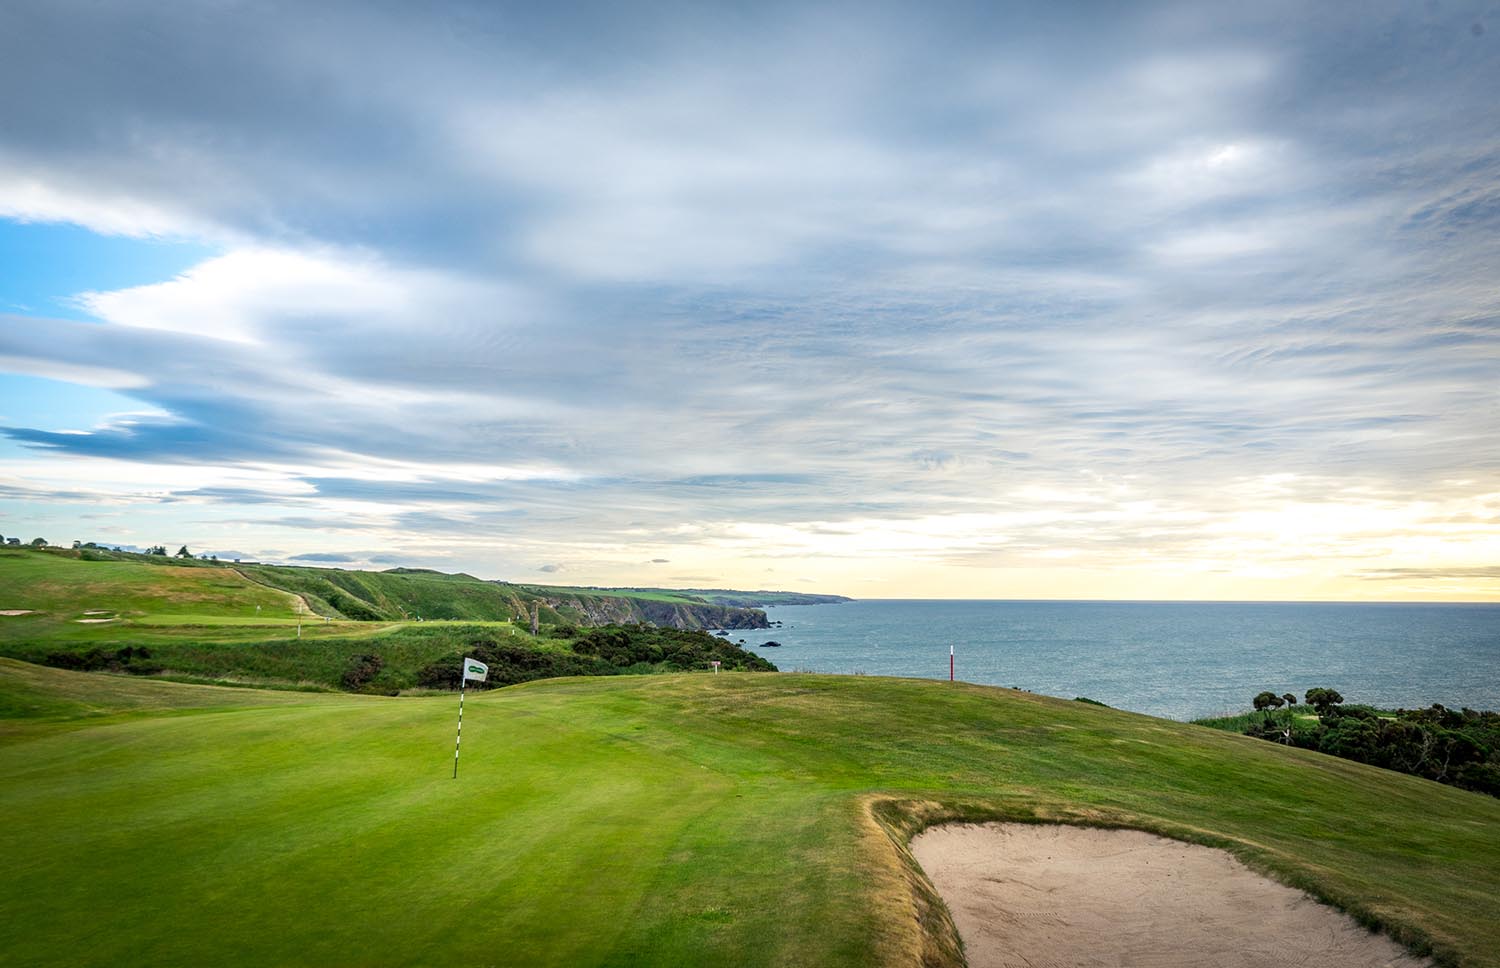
<point x="216" y="623"/>
<point x="657" y="820"/>
<point x="53" y="580"/>
<point x="64" y="589"/>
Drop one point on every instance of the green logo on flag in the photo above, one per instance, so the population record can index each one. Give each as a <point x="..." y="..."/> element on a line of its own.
<point x="474" y="669"/>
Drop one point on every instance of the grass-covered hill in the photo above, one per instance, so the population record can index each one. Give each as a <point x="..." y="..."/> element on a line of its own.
<point x="325" y="628"/>
<point x="393" y="595"/>
<point x="653" y="820"/>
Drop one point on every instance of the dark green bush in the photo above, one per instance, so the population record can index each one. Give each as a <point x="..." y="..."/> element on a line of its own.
<point x="1461" y="747"/>
<point x="129" y="659"/>
<point x="510" y="664"/>
<point x="607" y="650"/>
<point x="362" y="669"/>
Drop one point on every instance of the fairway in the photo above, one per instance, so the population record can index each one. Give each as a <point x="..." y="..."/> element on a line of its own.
<point x="685" y="819"/>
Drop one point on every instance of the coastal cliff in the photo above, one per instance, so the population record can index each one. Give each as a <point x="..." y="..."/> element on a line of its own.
<point x="585" y="609"/>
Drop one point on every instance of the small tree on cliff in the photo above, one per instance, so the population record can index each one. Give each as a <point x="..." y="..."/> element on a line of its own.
<point x="1323" y="701"/>
<point x="1267" y="701"/>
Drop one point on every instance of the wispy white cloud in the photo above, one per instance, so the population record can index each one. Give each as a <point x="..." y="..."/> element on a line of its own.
<point x="946" y="295"/>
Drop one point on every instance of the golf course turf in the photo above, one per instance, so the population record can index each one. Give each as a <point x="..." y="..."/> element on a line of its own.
<point x="672" y="819"/>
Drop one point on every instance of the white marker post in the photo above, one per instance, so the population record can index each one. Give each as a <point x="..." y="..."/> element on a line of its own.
<point x="473" y="669"/>
<point x="715" y="664"/>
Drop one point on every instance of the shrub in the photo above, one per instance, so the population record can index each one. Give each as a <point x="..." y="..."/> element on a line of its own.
<point x="362" y="669"/>
<point x="607" y="650"/>
<point x="509" y="664"/>
<point x="128" y="659"/>
<point x="1460" y="748"/>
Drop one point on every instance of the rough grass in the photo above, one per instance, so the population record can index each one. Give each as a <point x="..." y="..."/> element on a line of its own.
<point x="1239" y="722"/>
<point x="63" y="588"/>
<point x="691" y="819"/>
<point x="272" y="655"/>
<point x="140" y="590"/>
<point x="200" y="621"/>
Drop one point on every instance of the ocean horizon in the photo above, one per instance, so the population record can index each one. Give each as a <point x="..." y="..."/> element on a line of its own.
<point x="1174" y="659"/>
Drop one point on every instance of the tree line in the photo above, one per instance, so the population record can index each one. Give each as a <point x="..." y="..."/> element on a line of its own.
<point x="1458" y="747"/>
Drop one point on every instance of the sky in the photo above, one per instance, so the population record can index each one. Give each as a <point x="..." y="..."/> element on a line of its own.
<point x="991" y="300"/>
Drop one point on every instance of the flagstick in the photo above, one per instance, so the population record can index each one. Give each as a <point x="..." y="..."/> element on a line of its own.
<point x="456" y="739"/>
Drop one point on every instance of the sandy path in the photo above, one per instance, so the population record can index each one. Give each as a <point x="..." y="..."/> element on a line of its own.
<point x="1029" y="896"/>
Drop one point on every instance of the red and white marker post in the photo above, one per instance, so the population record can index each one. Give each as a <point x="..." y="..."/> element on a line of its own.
<point x="950" y="663"/>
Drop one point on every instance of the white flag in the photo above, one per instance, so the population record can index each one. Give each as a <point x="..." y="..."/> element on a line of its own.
<point x="474" y="669"/>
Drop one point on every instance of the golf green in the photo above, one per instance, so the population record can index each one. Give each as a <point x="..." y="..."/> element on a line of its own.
<point x="683" y="819"/>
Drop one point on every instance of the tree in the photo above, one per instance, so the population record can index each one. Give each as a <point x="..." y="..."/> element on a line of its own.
<point x="183" y="552"/>
<point x="1290" y="698"/>
<point x="1353" y="739"/>
<point x="1323" y="700"/>
<point x="1267" y="701"/>
<point x="39" y="542"/>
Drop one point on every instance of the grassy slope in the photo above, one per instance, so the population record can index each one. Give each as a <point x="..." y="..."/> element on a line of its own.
<point x="200" y="620"/>
<point x="64" y="588"/>
<point x="156" y="587"/>
<point x="672" y="820"/>
<point x="394" y="595"/>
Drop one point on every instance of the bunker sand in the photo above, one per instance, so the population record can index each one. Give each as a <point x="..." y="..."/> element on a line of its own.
<point x="1049" y="896"/>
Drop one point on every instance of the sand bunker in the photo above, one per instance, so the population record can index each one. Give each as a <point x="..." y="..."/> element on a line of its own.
<point x="99" y="611"/>
<point x="92" y="621"/>
<point x="1050" y="896"/>
<point x="16" y="611"/>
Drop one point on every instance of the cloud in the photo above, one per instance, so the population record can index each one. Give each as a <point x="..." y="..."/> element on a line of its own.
<point x="551" y="569"/>
<point x="729" y="286"/>
<point x="1426" y="574"/>
<point x="227" y="554"/>
<point x="323" y="557"/>
<point x="82" y="374"/>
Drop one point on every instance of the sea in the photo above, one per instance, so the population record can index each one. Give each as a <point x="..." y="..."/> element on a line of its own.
<point x="1177" y="660"/>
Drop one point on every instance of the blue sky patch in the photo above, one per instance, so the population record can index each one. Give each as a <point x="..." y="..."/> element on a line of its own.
<point x="44" y="265"/>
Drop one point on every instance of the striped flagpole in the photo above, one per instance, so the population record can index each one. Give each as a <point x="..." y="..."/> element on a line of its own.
<point x="464" y="681"/>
